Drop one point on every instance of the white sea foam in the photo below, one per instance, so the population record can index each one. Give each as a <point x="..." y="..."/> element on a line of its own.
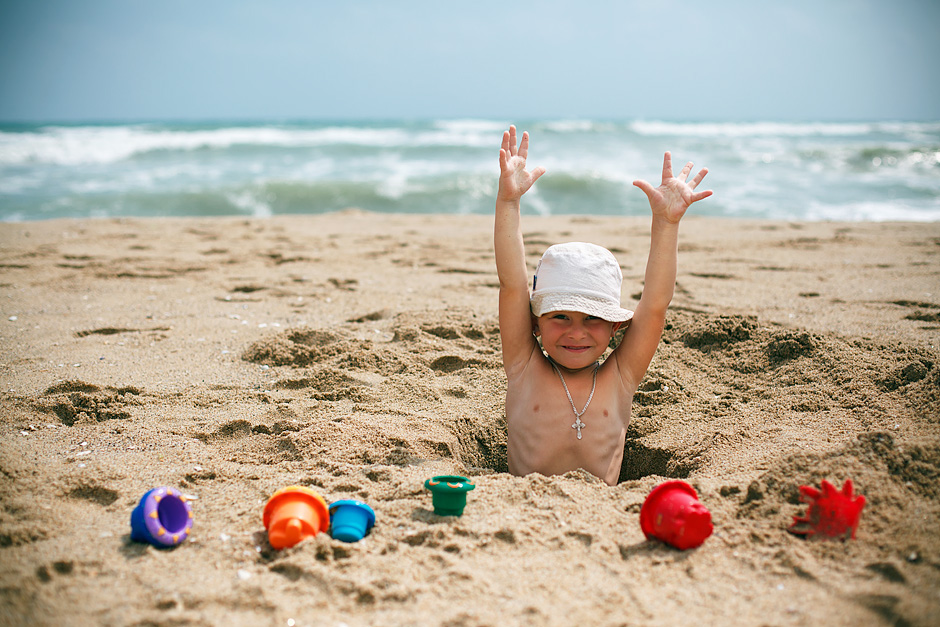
<point x="104" y="145"/>
<point x="869" y="171"/>
<point x="469" y="125"/>
<point x="776" y="129"/>
<point x="570" y="126"/>
<point x="862" y="211"/>
<point x="249" y="201"/>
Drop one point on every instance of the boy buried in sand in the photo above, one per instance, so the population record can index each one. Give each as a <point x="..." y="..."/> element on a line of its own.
<point x="565" y="410"/>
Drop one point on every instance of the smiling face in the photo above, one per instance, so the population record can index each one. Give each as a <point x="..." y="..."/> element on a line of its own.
<point x="572" y="339"/>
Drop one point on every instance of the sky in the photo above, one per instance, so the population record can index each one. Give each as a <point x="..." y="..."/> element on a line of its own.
<point x="722" y="60"/>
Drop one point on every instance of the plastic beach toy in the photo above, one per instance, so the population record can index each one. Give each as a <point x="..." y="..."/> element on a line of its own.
<point x="350" y="521"/>
<point x="449" y="494"/>
<point x="831" y="514"/>
<point x="672" y="513"/>
<point x="163" y="518"/>
<point x="293" y="514"/>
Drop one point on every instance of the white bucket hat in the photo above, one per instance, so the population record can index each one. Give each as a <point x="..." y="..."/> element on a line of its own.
<point x="579" y="277"/>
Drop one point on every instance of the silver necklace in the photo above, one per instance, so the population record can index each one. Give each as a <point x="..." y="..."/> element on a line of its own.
<point x="577" y="414"/>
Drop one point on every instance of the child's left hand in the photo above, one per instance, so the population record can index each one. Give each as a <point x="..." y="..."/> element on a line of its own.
<point x="674" y="194"/>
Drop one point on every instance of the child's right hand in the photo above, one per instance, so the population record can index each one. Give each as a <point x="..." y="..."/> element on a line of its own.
<point x="514" y="180"/>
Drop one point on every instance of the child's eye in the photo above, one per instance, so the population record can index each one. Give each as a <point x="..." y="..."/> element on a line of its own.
<point x="560" y="317"/>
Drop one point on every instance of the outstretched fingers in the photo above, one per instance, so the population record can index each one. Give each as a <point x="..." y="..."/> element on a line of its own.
<point x="507" y="149"/>
<point x="676" y="193"/>
<point x="698" y="177"/>
<point x="524" y="146"/>
<point x="515" y="180"/>
<point x="536" y="173"/>
<point x="684" y="174"/>
<point x="647" y="189"/>
<point x="697" y="196"/>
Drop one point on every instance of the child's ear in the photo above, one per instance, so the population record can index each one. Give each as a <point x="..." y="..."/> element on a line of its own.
<point x="535" y="326"/>
<point x="615" y="328"/>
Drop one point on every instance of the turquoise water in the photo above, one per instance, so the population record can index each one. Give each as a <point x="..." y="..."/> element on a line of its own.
<point x="801" y="171"/>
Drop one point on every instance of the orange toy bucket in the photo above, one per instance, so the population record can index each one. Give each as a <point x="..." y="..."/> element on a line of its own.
<point x="293" y="514"/>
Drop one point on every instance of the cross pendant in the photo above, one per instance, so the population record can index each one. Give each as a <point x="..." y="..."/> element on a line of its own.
<point x="578" y="425"/>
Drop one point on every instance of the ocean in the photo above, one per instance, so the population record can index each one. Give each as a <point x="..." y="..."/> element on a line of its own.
<point x="790" y="171"/>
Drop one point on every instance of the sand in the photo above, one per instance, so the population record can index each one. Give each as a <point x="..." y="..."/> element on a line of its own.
<point x="358" y="355"/>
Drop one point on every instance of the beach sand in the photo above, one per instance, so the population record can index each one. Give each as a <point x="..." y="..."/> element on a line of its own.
<point x="358" y="354"/>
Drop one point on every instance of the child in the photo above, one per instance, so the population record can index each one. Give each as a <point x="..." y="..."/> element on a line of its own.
<point x="565" y="410"/>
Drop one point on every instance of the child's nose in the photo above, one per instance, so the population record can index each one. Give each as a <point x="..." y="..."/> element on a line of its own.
<point x="577" y="329"/>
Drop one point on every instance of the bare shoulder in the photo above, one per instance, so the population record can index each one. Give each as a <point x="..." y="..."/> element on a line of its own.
<point x="627" y="366"/>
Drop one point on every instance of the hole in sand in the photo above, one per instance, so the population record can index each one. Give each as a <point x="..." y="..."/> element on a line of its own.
<point x="641" y="460"/>
<point x="481" y="442"/>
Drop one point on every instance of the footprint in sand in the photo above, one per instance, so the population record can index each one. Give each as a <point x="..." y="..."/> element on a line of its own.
<point x="95" y="493"/>
<point x="118" y="330"/>
<point x="45" y="573"/>
<point x="232" y="430"/>
<point x="920" y="311"/>
<point x="452" y="363"/>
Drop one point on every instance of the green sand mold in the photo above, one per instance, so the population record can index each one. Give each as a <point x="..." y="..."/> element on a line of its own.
<point x="449" y="494"/>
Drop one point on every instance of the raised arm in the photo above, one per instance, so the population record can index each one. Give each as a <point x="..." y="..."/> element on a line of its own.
<point x="668" y="203"/>
<point x="515" y="322"/>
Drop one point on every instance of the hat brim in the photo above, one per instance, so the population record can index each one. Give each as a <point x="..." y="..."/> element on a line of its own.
<point x="543" y="303"/>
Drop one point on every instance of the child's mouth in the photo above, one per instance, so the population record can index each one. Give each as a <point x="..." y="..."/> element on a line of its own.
<point x="576" y="349"/>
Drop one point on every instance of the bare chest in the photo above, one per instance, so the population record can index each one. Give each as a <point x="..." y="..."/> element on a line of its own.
<point x="545" y="425"/>
<point x="546" y="410"/>
<point x="549" y="402"/>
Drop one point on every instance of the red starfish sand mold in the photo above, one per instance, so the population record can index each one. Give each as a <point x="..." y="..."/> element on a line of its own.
<point x="831" y="513"/>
